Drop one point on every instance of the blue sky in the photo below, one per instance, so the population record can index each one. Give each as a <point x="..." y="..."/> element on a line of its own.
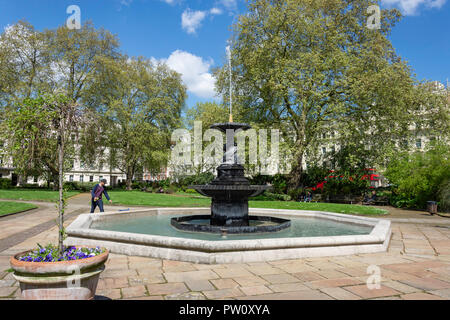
<point x="191" y="35"/>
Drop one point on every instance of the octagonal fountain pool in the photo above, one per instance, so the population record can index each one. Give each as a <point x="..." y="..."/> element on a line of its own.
<point x="150" y="233"/>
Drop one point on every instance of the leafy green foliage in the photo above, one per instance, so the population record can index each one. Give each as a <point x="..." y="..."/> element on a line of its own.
<point x="201" y="178"/>
<point x="138" y="104"/>
<point x="420" y="177"/>
<point x="307" y="65"/>
<point x="269" y="196"/>
<point x="314" y="174"/>
<point x="279" y="182"/>
<point x="5" y="183"/>
<point x="346" y="183"/>
<point x="79" y="186"/>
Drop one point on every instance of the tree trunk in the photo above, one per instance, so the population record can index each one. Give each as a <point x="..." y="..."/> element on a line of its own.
<point x="129" y="182"/>
<point x="55" y="177"/>
<point x="60" y="185"/>
<point x="129" y="178"/>
<point x="297" y="172"/>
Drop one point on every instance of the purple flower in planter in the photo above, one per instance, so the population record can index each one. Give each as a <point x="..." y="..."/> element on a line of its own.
<point x="69" y="253"/>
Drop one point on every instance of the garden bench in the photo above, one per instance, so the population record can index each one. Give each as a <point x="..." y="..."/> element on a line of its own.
<point x="381" y="202"/>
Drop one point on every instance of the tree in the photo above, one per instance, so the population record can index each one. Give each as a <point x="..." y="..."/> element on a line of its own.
<point x="51" y="61"/>
<point x="139" y="104"/>
<point x="304" y="65"/>
<point x="420" y="176"/>
<point x="47" y="120"/>
<point x="24" y="64"/>
<point x="207" y="113"/>
<point x="75" y="55"/>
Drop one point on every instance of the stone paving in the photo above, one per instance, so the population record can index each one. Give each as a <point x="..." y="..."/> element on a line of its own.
<point x="415" y="267"/>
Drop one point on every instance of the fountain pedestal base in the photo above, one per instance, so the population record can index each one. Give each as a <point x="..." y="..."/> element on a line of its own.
<point x="229" y="214"/>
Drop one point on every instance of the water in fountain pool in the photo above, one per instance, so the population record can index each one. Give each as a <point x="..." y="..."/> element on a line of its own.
<point x="300" y="227"/>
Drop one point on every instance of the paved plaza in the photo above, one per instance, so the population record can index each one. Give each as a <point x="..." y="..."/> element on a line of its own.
<point x="416" y="266"/>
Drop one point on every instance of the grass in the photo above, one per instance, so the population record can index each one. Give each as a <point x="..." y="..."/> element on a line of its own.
<point x="319" y="206"/>
<point x="7" y="207"/>
<point x="138" y="198"/>
<point x="36" y="195"/>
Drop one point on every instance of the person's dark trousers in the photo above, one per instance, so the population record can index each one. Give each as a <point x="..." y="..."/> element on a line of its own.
<point x="98" y="203"/>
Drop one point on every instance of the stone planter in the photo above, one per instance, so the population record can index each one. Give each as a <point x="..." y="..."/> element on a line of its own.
<point x="62" y="280"/>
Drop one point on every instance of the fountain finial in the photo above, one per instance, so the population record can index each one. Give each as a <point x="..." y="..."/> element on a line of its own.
<point x="231" y="84"/>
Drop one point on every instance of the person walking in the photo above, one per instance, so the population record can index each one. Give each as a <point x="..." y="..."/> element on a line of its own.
<point x="96" y="194"/>
<point x="308" y="197"/>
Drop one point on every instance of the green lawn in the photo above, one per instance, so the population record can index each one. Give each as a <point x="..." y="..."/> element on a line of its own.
<point x="318" y="206"/>
<point x="7" y="207"/>
<point x="138" y="198"/>
<point x="37" y="195"/>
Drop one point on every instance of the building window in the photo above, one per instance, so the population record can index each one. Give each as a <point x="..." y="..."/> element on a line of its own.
<point x="324" y="150"/>
<point x="71" y="178"/>
<point x="91" y="178"/>
<point x="333" y="150"/>
<point x="100" y="178"/>
<point x="419" y="143"/>
<point x="81" y="178"/>
<point x="324" y="135"/>
<point x="35" y="180"/>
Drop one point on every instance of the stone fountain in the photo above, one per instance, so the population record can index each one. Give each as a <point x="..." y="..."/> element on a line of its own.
<point x="230" y="192"/>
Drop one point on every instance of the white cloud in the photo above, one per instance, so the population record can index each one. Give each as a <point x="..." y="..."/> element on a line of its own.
<point x="191" y="20"/>
<point x="195" y="72"/>
<point x="215" y="11"/>
<point x="229" y="4"/>
<point x="411" y="7"/>
<point x="169" y="1"/>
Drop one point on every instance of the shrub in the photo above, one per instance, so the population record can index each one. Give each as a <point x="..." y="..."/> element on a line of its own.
<point x="346" y="184"/>
<point x="420" y="177"/>
<point x="138" y="185"/>
<point x="269" y="196"/>
<point x="279" y="182"/>
<point x="32" y="186"/>
<point x="295" y="193"/>
<point x="313" y="175"/>
<point x="170" y="190"/>
<point x="201" y="178"/>
<point x="5" y="183"/>
<point x="444" y="196"/>
<point x="79" y="186"/>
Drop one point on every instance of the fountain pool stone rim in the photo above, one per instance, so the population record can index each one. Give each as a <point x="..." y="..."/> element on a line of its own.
<point x="230" y="251"/>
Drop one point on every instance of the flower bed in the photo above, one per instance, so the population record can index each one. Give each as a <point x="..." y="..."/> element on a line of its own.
<point x="51" y="254"/>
